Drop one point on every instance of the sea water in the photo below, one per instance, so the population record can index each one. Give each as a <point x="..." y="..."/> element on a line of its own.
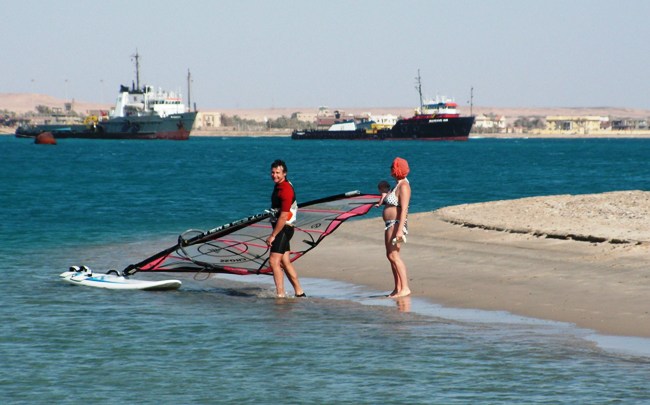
<point x="107" y="204"/>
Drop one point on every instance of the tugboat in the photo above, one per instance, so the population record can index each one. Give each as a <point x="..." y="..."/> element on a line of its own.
<point x="139" y="113"/>
<point x="434" y="121"/>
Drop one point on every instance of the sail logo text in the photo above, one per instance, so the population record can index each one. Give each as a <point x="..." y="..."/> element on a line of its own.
<point x="239" y="260"/>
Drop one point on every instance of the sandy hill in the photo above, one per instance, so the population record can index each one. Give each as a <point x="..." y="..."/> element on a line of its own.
<point x="508" y="112"/>
<point x="24" y="102"/>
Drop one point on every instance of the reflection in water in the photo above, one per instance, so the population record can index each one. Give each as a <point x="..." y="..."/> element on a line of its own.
<point x="403" y="304"/>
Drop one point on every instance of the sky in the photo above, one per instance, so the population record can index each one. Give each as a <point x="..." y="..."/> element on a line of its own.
<point x="336" y="53"/>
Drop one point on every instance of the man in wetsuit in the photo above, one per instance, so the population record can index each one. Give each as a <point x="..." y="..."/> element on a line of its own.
<point x="283" y="200"/>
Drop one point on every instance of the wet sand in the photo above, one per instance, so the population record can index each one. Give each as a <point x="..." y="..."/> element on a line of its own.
<point x="578" y="259"/>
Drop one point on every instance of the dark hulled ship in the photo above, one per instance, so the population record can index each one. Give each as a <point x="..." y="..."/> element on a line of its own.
<point x="434" y="121"/>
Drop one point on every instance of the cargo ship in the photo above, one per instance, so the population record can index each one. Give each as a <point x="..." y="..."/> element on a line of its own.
<point x="437" y="120"/>
<point x="139" y="113"/>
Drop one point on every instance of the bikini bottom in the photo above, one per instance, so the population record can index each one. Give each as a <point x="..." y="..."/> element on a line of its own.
<point x="389" y="224"/>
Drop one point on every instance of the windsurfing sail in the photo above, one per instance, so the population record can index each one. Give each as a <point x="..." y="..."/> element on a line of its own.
<point x="240" y="247"/>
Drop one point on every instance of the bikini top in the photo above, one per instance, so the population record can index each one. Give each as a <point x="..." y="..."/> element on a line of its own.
<point x="391" y="197"/>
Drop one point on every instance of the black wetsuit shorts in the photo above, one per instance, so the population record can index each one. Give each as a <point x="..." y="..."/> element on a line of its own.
<point x="281" y="242"/>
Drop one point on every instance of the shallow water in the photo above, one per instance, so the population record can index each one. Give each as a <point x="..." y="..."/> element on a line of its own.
<point x="108" y="204"/>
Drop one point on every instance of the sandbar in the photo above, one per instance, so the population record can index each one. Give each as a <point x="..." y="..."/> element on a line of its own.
<point x="581" y="259"/>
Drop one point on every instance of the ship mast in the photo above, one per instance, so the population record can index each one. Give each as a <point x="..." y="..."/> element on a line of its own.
<point x="189" y="89"/>
<point x="137" y="69"/>
<point x="418" y="87"/>
<point x="471" y="100"/>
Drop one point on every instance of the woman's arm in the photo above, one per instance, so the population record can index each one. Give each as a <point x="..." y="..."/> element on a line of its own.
<point x="404" y="196"/>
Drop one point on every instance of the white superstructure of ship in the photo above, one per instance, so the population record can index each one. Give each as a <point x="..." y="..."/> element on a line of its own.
<point x="147" y="101"/>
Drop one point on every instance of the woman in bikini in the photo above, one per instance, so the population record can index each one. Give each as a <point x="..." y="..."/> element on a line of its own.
<point x="395" y="213"/>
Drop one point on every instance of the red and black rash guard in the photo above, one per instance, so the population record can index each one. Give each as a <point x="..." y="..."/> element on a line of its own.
<point x="284" y="200"/>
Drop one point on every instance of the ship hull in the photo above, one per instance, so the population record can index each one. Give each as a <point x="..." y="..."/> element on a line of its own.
<point x="173" y="127"/>
<point x="434" y="129"/>
<point x="425" y="129"/>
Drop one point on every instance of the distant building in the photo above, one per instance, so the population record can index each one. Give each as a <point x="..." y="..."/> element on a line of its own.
<point x="490" y="123"/>
<point x="576" y="125"/>
<point x="57" y="116"/>
<point x="306" y="117"/>
<point x="207" y="120"/>
<point x="326" y="117"/>
<point x="629" y="124"/>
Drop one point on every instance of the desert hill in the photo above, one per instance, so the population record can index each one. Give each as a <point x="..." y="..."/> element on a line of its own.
<point x="25" y="102"/>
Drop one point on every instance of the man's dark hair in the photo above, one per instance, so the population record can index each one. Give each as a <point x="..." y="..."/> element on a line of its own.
<point x="279" y="163"/>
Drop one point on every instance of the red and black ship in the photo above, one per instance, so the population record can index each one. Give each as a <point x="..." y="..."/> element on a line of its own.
<point x="434" y="121"/>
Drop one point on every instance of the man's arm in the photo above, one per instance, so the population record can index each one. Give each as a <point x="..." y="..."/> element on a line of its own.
<point x="282" y="220"/>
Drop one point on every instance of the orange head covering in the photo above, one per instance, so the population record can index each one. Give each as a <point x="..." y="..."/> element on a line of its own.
<point x="400" y="167"/>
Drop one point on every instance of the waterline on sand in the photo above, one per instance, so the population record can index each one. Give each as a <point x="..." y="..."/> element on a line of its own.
<point x="496" y="321"/>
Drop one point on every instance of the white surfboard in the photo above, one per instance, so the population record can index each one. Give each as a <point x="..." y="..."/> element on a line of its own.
<point x="116" y="282"/>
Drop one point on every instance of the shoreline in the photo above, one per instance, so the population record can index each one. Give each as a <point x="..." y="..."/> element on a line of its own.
<point x="287" y="133"/>
<point x="602" y="286"/>
<point x="600" y="135"/>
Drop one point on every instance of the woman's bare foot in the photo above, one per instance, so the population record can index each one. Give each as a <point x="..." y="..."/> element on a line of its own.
<point x="400" y="294"/>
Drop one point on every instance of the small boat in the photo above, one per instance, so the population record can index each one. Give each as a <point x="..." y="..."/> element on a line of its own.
<point x="139" y="113"/>
<point x="437" y="120"/>
<point x="359" y="130"/>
